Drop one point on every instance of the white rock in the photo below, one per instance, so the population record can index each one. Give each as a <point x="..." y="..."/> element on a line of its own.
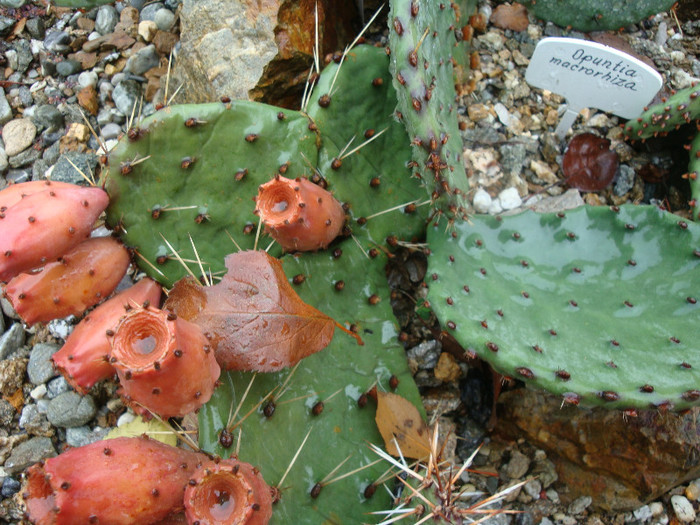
<point x="509" y="199"/>
<point x="87" y="79"/>
<point x="643" y="513"/>
<point x="126" y="417"/>
<point x="482" y="201"/>
<point x="656" y="508"/>
<point x="495" y="207"/>
<point x="147" y="30"/>
<point x="683" y="508"/>
<point x="38" y="392"/>
<point x="18" y="135"/>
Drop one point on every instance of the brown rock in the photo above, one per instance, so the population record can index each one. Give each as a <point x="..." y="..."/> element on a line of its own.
<point x="87" y="60"/>
<point x="447" y="369"/>
<point x="621" y="462"/>
<point x="12" y="375"/>
<point x="87" y="99"/>
<point x="510" y="16"/>
<point x="128" y="22"/>
<point x="118" y="40"/>
<point x="251" y="49"/>
<point x="164" y="42"/>
<point x="85" y="24"/>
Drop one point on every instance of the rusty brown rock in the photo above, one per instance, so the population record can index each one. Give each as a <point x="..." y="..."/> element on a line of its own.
<point x="87" y="98"/>
<point x="164" y="42"/>
<point x="621" y="462"/>
<point x="256" y="50"/>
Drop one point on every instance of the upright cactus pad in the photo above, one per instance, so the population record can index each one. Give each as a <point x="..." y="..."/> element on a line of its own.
<point x="596" y="304"/>
<point x="423" y="40"/>
<point x="323" y="397"/>
<point x="694" y="175"/>
<point x="596" y="15"/>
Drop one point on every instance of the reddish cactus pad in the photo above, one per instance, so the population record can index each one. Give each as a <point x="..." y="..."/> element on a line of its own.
<point x="16" y="192"/>
<point x="228" y="492"/>
<point x="84" y="358"/>
<point x="123" y="481"/>
<point x="163" y="362"/>
<point x="43" y="226"/>
<point x="299" y="214"/>
<point x="81" y="279"/>
<point x="589" y="164"/>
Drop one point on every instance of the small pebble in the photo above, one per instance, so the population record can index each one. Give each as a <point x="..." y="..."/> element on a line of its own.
<point x="510" y="199"/>
<point x="692" y="491"/>
<point x="643" y="513"/>
<point x="11" y="340"/>
<point x="40" y="368"/>
<point x="10" y="487"/>
<point x="482" y="201"/>
<point x="683" y="508"/>
<point x="18" y="135"/>
<point x="579" y="505"/>
<point x="28" y="453"/>
<point x="70" y="409"/>
<point x="656" y="508"/>
<point x="38" y="392"/>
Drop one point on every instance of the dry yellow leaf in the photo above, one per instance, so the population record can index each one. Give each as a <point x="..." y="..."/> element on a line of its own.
<point x="401" y="426"/>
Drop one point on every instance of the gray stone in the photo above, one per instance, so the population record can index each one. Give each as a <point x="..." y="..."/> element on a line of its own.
<point x="36" y="28"/>
<point x="513" y="157"/>
<point x="52" y="153"/>
<point x="111" y="131"/>
<point x="10" y="487"/>
<point x="24" y="54"/>
<point x="12" y="340"/>
<point x="424" y="355"/>
<point x="18" y="135"/>
<point x="68" y="67"/>
<point x="40" y="368"/>
<point x="7" y="413"/>
<point x="34" y="422"/>
<point x="57" y="42"/>
<point x="126" y="95"/>
<point x="4" y="163"/>
<point x="24" y="158"/>
<point x="149" y="11"/>
<point x="106" y="20"/>
<point x="579" y="505"/>
<point x="70" y="409"/>
<point x="164" y="19"/>
<point x="64" y="171"/>
<point x="5" y="109"/>
<point x="12" y="3"/>
<point x="624" y="180"/>
<point x="18" y="175"/>
<point x="48" y="116"/>
<point x="27" y="453"/>
<point x="517" y="466"/>
<point x="143" y="60"/>
<point x="81" y="436"/>
<point x="56" y="387"/>
<point x="6" y="24"/>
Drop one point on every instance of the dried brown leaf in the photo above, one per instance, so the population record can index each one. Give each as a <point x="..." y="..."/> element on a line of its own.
<point x="399" y="422"/>
<point x="253" y="318"/>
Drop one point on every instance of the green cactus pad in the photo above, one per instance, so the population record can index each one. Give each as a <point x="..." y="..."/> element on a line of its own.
<point x="694" y="176"/>
<point x="597" y="304"/>
<point x="231" y="149"/>
<point x="422" y="39"/>
<point x="596" y="15"/>
<point x="683" y="107"/>
<point x="205" y="163"/>
<point x="360" y="107"/>
<point x="337" y="376"/>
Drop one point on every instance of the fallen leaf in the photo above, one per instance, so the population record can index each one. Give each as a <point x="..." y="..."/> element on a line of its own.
<point x="253" y="318"/>
<point x="153" y="428"/>
<point x="399" y="422"/>
<point x="507" y="16"/>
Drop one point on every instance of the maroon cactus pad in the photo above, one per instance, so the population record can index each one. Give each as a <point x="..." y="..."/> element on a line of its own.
<point x="589" y="164"/>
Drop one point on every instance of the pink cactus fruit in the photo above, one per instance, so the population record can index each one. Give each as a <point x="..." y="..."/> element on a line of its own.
<point x="299" y="214"/>
<point x="122" y="481"/>
<point x="164" y="363"/>
<point x="84" y="359"/>
<point x="43" y="226"/>
<point x="227" y="492"/>
<point x="80" y="279"/>
<point x="14" y="193"/>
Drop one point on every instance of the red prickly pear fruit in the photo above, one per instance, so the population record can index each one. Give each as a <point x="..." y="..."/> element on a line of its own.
<point x="122" y="481"/>
<point x="80" y="279"/>
<point x="164" y="363"/>
<point x="84" y="359"/>
<point x="227" y="492"/>
<point x="298" y="214"/>
<point x="43" y="226"/>
<point x="14" y="193"/>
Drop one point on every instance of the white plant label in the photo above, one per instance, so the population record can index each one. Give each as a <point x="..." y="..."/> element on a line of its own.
<point x="588" y="74"/>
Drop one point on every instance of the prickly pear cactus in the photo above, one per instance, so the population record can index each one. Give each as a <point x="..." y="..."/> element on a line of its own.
<point x="422" y="37"/>
<point x="352" y="289"/>
<point x="683" y="107"/>
<point x="193" y="170"/>
<point x="599" y="304"/>
<point x="230" y="150"/>
<point x="596" y="15"/>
